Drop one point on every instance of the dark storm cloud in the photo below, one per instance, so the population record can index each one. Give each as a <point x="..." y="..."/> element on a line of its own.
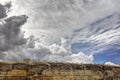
<point x="4" y="9"/>
<point x="10" y="32"/>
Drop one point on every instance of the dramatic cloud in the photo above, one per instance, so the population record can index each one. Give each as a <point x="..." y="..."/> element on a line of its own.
<point x="49" y="18"/>
<point x="10" y="35"/>
<point x="91" y="24"/>
<point x="53" y="53"/>
<point x="14" y="47"/>
<point x="90" y="27"/>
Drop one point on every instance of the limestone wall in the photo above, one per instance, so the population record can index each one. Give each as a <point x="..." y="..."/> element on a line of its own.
<point x="58" y="71"/>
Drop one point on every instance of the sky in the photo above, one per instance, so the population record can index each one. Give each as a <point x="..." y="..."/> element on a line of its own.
<point x="77" y="31"/>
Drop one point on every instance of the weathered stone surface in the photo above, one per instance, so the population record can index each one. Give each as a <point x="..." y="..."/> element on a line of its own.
<point x="57" y="71"/>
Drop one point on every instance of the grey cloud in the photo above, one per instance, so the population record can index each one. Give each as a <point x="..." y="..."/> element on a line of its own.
<point x="10" y="32"/>
<point x="55" y="53"/>
<point x="14" y="47"/>
<point x="63" y="15"/>
<point x="4" y="9"/>
<point x="59" y="18"/>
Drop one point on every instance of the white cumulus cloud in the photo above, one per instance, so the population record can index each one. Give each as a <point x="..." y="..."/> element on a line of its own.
<point x="111" y="63"/>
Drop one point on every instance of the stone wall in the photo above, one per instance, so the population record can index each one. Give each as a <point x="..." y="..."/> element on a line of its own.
<point x="58" y="71"/>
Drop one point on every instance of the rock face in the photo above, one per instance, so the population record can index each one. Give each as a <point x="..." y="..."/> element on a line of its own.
<point x="57" y="71"/>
